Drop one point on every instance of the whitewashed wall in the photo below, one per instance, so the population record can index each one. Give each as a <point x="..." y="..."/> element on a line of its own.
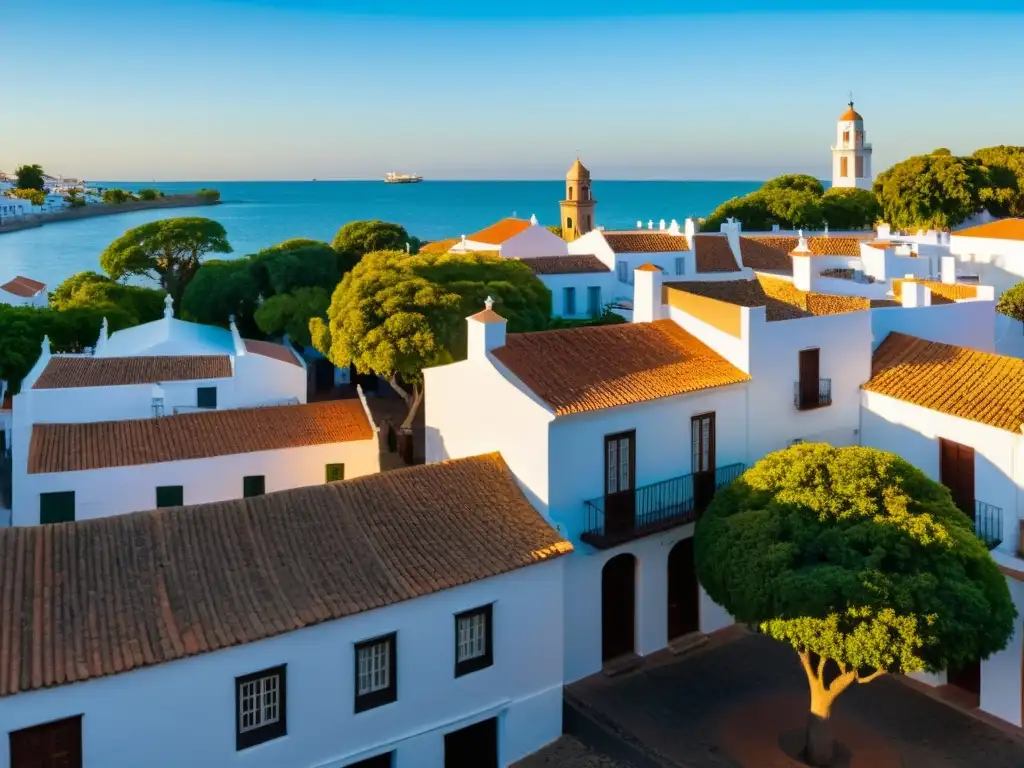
<point x="213" y="479"/>
<point x="581" y="282"/>
<point x="535" y="241"/>
<point x="964" y="323"/>
<point x="999" y="263"/>
<point x="138" y="718"/>
<point x="734" y="349"/>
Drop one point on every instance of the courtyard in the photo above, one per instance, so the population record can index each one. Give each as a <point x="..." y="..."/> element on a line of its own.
<point x="731" y="704"/>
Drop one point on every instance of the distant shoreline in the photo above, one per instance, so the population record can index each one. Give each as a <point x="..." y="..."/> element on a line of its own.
<point x="34" y="220"/>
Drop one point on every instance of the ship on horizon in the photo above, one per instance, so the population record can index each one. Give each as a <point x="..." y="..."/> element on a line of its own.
<point x="402" y="178"/>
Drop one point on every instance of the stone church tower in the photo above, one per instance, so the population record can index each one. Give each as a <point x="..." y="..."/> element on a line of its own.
<point x="851" y="155"/>
<point x="578" y="206"/>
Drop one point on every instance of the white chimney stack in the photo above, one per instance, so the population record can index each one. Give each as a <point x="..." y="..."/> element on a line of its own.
<point x="915" y="294"/>
<point x="647" y="306"/>
<point x="486" y="332"/>
<point x="168" y="306"/>
<point x="661" y="225"/>
<point x="947" y="269"/>
<point x="690" y="229"/>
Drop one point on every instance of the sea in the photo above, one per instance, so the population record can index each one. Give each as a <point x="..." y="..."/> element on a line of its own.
<point x="260" y="214"/>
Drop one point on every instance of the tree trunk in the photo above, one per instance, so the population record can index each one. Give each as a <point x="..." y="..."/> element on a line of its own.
<point x="414" y="407"/>
<point x="819" y="727"/>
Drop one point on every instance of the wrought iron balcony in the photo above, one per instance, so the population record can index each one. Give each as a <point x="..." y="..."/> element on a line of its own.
<point x="806" y="401"/>
<point x="988" y="524"/>
<point x="656" y="507"/>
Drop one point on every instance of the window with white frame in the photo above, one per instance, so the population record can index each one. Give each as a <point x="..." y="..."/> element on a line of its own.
<point x="376" y="672"/>
<point x="260" y="701"/>
<point x="474" y="649"/>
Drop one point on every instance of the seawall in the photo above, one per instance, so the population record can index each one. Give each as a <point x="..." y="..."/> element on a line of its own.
<point x="102" y="209"/>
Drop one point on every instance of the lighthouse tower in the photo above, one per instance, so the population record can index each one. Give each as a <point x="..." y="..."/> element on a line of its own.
<point x="851" y="155"/>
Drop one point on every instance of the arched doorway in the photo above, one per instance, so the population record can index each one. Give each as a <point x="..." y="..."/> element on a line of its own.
<point x="683" y="591"/>
<point x="618" y="607"/>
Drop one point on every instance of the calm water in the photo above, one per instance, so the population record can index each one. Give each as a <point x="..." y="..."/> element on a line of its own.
<point x="260" y="214"/>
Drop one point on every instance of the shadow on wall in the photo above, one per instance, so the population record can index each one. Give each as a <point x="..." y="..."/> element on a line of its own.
<point x="434" y="447"/>
<point x="1009" y="336"/>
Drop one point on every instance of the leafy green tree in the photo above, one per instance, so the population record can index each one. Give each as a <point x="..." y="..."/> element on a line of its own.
<point x="1011" y="303"/>
<point x="122" y="305"/>
<point x="555" y="229"/>
<point x="150" y="194"/>
<point x="858" y="561"/>
<point x="34" y="196"/>
<point x="296" y="263"/>
<point x="291" y="313"/>
<point x="1006" y="168"/>
<point x="222" y="289"/>
<point x="797" y="182"/>
<point x="361" y="237"/>
<point x="933" y="191"/>
<point x="209" y="195"/>
<point x="848" y="208"/>
<point x="30" y="177"/>
<point x="387" y="319"/>
<point x="169" y="251"/>
<point x="116" y="196"/>
<point x="74" y="198"/>
<point x="792" y="201"/>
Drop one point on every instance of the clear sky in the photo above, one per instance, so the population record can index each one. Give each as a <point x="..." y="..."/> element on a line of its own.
<point x="299" y="89"/>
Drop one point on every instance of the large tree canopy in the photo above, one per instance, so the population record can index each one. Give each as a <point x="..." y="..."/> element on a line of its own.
<point x="292" y="312"/>
<point x="296" y="263"/>
<point x="396" y="314"/>
<point x="854" y="557"/>
<point x="30" y="177"/>
<point x="358" y="238"/>
<point x="122" y="305"/>
<point x="937" y="191"/>
<point x="22" y="330"/>
<point x="169" y="251"/>
<point x="1011" y="303"/>
<point x="795" y="201"/>
<point x="221" y="290"/>
<point x="1006" y="168"/>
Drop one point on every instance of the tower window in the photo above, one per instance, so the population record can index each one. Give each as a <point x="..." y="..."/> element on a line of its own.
<point x="844" y="167"/>
<point x="846" y="137"/>
<point x="860" y="166"/>
<point x="570" y="193"/>
<point x="568" y="223"/>
<point x="589" y="225"/>
<point x="586" y="193"/>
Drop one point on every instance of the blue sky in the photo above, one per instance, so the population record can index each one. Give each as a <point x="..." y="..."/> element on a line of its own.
<point x="297" y="89"/>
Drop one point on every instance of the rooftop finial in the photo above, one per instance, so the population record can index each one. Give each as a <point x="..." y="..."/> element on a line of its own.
<point x="851" y="99"/>
<point x="488" y="303"/>
<point x="533" y="220"/>
<point x="168" y="306"/>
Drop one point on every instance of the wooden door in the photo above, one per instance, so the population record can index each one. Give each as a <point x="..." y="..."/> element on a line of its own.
<point x="619" y="486"/>
<point x="956" y="472"/>
<point x="702" y="459"/>
<point x="618" y="607"/>
<point x="51" y="745"/>
<point x="683" y="592"/>
<point x="810" y="372"/>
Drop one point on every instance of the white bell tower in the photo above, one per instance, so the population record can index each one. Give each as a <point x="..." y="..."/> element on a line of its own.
<point x="851" y="155"/>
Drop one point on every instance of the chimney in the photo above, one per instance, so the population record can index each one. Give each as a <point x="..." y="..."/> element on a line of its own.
<point x="661" y="225"/>
<point x="731" y="229"/>
<point x="801" y="271"/>
<point x="947" y="269"/>
<point x="690" y="229"/>
<point x="485" y="332"/>
<point x="883" y="231"/>
<point x="102" y="340"/>
<point x="236" y="337"/>
<point x="647" y="293"/>
<point x="533" y="220"/>
<point x="168" y="306"/>
<point x="914" y="294"/>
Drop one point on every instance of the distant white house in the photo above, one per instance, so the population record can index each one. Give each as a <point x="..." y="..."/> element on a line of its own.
<point x="992" y="252"/>
<point x="513" y="239"/>
<point x="24" y="292"/>
<point x="14" y="208"/>
<point x="405" y="619"/>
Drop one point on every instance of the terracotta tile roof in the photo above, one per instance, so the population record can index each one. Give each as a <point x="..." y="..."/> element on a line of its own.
<point x="1003" y="229"/>
<point x="62" y="372"/>
<point x="153" y="587"/>
<point x="880" y="244"/>
<point x="587" y="369"/>
<point x="500" y="231"/>
<point x="978" y="386"/>
<point x="713" y="254"/>
<point x="565" y="265"/>
<point x="840" y="245"/>
<point x="23" y="287"/>
<point x="487" y="315"/>
<point x="780" y="298"/>
<point x="645" y="241"/>
<point x="942" y="293"/>
<point x="104" y="444"/>
<point x="440" y="246"/>
<point x="269" y="349"/>
<point x="760" y="255"/>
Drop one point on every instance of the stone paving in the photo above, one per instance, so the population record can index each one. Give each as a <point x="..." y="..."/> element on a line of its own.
<point x="726" y="706"/>
<point x="567" y="752"/>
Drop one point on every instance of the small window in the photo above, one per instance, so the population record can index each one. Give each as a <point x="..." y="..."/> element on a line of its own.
<point x="473" y="641"/>
<point x="568" y="301"/>
<point x="568" y="223"/>
<point x="335" y="472"/>
<point x="586" y="193"/>
<point x="622" y="271"/>
<point x="56" y="507"/>
<point x="844" y="167"/>
<point x="594" y="300"/>
<point x="846" y="137"/>
<point x="376" y="672"/>
<point x="206" y="397"/>
<point x="860" y="166"/>
<point x="570" y="193"/>
<point x="253" y="485"/>
<point x="680" y="265"/>
<point x="589" y="225"/>
<point x="170" y="495"/>
<point x="260" y="703"/>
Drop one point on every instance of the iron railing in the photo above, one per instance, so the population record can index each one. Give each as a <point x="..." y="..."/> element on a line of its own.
<point x="805" y="401"/>
<point x="988" y="524"/>
<point x="657" y="507"/>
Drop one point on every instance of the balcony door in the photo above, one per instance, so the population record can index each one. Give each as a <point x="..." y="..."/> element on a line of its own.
<point x="956" y="472"/>
<point x="702" y="459"/>
<point x="619" y="484"/>
<point x="810" y="375"/>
